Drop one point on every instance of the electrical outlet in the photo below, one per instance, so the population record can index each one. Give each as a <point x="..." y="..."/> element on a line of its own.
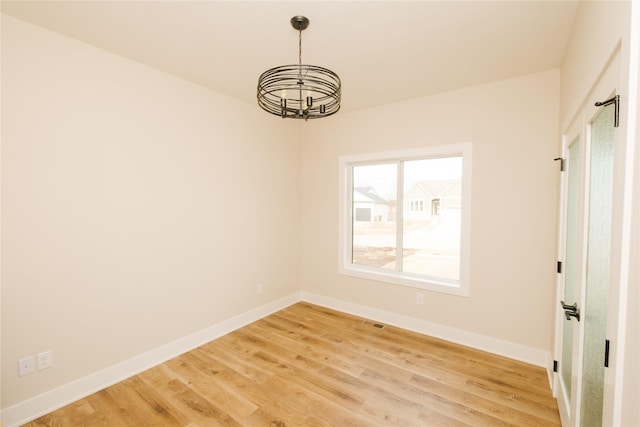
<point x="26" y="366"/>
<point x="45" y="359"/>
<point x="260" y="288"/>
<point x="420" y="298"/>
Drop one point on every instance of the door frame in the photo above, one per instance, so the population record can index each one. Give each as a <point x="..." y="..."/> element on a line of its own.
<point x="569" y="407"/>
<point x="608" y="82"/>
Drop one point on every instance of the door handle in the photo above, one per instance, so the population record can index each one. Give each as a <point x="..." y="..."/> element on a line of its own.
<point x="569" y="314"/>
<point x="571" y="310"/>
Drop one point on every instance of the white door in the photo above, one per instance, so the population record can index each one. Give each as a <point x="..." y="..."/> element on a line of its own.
<point x="585" y="254"/>
<point x="571" y="253"/>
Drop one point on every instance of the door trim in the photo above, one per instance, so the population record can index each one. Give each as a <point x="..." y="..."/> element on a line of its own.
<point x="606" y="83"/>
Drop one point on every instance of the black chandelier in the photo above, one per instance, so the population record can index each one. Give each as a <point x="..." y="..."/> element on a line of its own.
<point x="299" y="91"/>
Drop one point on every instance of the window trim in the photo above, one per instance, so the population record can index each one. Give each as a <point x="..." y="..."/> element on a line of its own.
<point x="346" y="267"/>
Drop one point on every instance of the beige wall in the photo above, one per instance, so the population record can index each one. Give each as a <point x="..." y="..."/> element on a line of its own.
<point x="596" y="31"/>
<point x="137" y="208"/>
<point x="513" y="128"/>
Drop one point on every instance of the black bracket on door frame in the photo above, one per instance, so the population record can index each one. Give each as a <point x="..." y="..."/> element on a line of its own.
<point x="615" y="100"/>
<point x="561" y="163"/>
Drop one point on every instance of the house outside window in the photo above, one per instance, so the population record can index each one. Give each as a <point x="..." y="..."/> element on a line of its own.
<point x="405" y="217"/>
<point x="369" y="206"/>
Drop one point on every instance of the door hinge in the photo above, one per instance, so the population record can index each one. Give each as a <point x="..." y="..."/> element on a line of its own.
<point x="616" y="101"/>
<point x="559" y="267"/>
<point x="561" y="163"/>
<point x="555" y="366"/>
<point x="606" y="353"/>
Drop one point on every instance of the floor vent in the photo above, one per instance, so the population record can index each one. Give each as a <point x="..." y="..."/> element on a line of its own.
<point x="375" y="325"/>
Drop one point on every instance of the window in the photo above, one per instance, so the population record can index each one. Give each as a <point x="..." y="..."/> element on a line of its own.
<point x="405" y="217"/>
<point x="417" y="205"/>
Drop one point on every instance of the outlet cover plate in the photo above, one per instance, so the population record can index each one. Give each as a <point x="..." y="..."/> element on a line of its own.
<point x="45" y="359"/>
<point x="26" y="366"/>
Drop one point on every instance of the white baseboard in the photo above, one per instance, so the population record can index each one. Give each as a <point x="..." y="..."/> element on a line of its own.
<point x="508" y="349"/>
<point x="57" y="398"/>
<point x="33" y="408"/>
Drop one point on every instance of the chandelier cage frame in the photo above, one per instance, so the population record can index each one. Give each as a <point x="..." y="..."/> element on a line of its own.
<point x="299" y="91"/>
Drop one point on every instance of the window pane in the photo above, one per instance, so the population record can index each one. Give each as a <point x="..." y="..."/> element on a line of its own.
<point x="598" y="265"/>
<point x="374" y="223"/>
<point x="431" y="217"/>
<point x="572" y="260"/>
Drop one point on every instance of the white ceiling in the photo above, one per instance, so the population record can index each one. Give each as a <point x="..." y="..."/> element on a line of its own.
<point x="384" y="51"/>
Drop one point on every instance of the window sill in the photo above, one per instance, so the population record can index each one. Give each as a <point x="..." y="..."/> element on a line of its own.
<point x="403" y="279"/>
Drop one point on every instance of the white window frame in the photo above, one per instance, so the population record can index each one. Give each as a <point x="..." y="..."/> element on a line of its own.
<point x="345" y="205"/>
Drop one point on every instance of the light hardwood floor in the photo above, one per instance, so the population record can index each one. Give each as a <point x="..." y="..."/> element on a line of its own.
<point x="311" y="366"/>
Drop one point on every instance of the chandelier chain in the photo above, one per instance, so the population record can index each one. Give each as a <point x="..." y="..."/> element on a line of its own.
<point x="300" y="76"/>
<point x="299" y="47"/>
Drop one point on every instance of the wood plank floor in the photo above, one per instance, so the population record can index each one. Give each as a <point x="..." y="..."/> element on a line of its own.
<point x="311" y="366"/>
